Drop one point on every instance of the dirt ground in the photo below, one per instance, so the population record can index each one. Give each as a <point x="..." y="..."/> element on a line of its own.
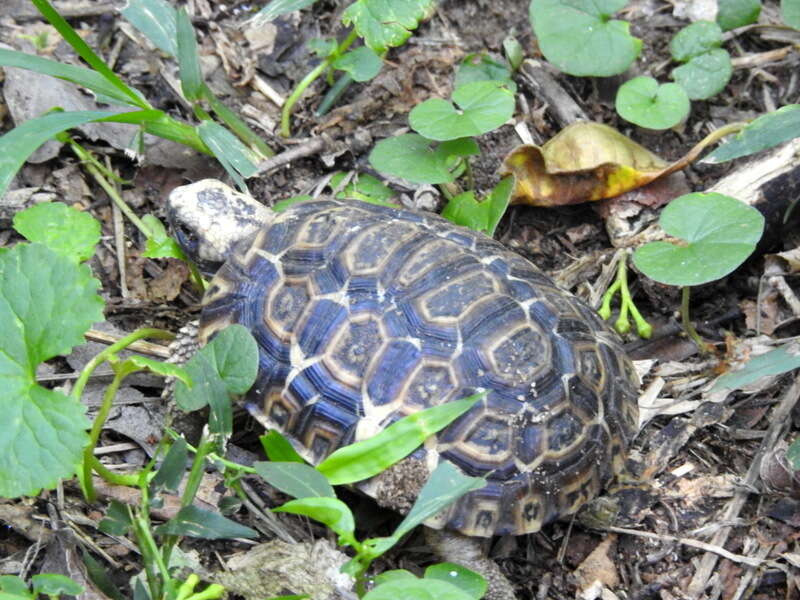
<point x="700" y="523"/>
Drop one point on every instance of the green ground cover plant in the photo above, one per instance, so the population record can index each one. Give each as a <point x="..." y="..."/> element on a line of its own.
<point x="581" y="38"/>
<point x="381" y="24"/>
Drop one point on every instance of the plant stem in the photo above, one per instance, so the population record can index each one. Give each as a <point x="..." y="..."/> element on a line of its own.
<point x="308" y="80"/>
<point x="91" y="166"/>
<point x="101" y="357"/>
<point x="687" y="324"/>
<point x="94" y="434"/>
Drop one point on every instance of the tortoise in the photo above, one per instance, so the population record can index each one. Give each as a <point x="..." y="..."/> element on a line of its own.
<point x="365" y="313"/>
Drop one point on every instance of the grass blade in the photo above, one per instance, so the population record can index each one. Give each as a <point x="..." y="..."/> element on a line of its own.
<point x="156" y="20"/>
<point x="87" y="54"/>
<point x="87" y="78"/>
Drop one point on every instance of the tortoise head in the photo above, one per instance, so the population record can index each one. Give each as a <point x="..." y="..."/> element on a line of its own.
<point x="209" y="219"/>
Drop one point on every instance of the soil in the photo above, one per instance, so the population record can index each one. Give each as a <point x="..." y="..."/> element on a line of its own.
<point x="700" y="522"/>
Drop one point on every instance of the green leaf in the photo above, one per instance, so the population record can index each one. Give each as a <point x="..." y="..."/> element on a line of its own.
<point x="445" y="485"/>
<point x="385" y="24"/>
<point x="329" y="511"/>
<point x="188" y="58"/>
<point x="159" y="244"/>
<point x="234" y="354"/>
<point x="414" y="157"/>
<point x="765" y="132"/>
<point x="482" y="67"/>
<point x="156" y="20"/>
<point x="418" y="589"/>
<point x="363" y="187"/>
<point x="793" y="454"/>
<point x="362" y="63"/>
<point x="47" y="302"/>
<point x="19" y="143"/>
<point x="484" y="216"/>
<point x="69" y="232"/>
<point x="295" y="479"/>
<point x="86" y="53"/>
<point x="276" y="8"/>
<point x="284" y="204"/>
<point x="173" y="467"/>
<point x="143" y="363"/>
<point x="790" y="11"/>
<point x="322" y="47"/>
<point x="228" y="364"/>
<point x="695" y="39"/>
<point x="238" y="160"/>
<point x="14" y="585"/>
<point x="369" y="457"/>
<point x="117" y="520"/>
<point x="705" y="75"/>
<point x="719" y="232"/>
<point x="100" y="577"/>
<point x="55" y="584"/>
<point x="468" y="581"/>
<point x="278" y="448"/>
<point x="737" y="13"/>
<point x="513" y="51"/>
<point x="578" y="37"/>
<point x="198" y="523"/>
<point x="775" y="362"/>
<point x="393" y="575"/>
<point x="482" y="106"/>
<point x="643" y="102"/>
<point x="87" y="78"/>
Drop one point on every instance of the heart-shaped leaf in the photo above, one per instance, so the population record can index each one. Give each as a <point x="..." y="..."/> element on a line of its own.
<point x="719" y="233"/>
<point x="415" y="158"/>
<point x="482" y="106"/>
<point x="646" y="103"/>
<point x="578" y="37"/>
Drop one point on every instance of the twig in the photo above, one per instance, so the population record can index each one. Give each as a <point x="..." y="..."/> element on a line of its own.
<point x="312" y="146"/>
<point x="119" y="244"/>
<point x="779" y="423"/>
<point x="158" y="350"/>
<point x="715" y="549"/>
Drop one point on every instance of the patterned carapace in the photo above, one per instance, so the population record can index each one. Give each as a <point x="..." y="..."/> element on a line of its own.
<point x="364" y="314"/>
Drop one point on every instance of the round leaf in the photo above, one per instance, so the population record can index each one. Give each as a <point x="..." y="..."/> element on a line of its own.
<point x="578" y="37"/>
<point x="482" y="106"/>
<point x="461" y="577"/>
<point x="413" y="157"/>
<point x="47" y="302"/>
<point x="69" y="232"/>
<point x="705" y="75"/>
<point x="418" y="589"/>
<point x="482" y="67"/>
<point x="643" y="102"/>
<point x="737" y="13"/>
<point x="694" y="40"/>
<point x="719" y="232"/>
<point x="790" y="11"/>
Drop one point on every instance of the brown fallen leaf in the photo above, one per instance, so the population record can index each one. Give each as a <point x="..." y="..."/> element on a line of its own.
<point x="599" y="566"/>
<point x="588" y="161"/>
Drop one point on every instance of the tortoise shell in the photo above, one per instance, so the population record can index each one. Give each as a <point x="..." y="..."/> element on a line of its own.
<point x="364" y="314"/>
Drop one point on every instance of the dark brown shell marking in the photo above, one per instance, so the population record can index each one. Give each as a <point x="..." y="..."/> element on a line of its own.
<point x="364" y="314"/>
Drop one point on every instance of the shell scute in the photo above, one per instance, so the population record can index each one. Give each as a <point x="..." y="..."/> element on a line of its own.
<point x="364" y="314"/>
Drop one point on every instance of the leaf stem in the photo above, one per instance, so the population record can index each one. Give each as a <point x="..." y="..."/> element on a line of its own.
<point x="91" y="165"/>
<point x="97" y="428"/>
<point x="704" y="347"/>
<point x="286" y="114"/>
<point x="106" y="354"/>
